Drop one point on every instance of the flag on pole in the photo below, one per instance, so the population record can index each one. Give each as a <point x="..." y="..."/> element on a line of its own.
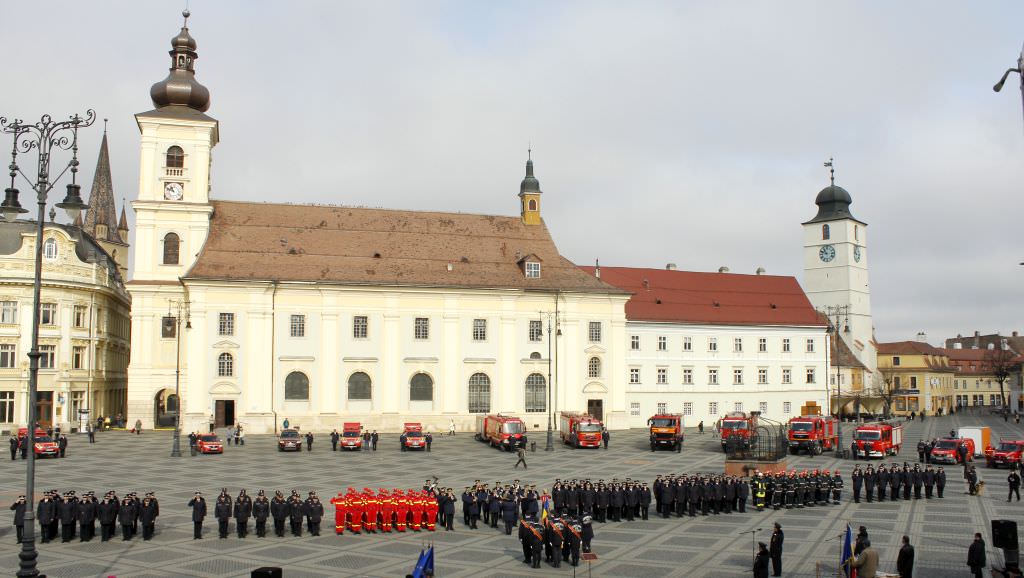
<point x="847" y="555"/>
<point x="425" y="564"/>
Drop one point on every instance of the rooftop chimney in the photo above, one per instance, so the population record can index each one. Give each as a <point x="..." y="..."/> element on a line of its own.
<point x="759" y="271"/>
<point x="597" y="268"/>
<point x="723" y="269"/>
<point x="672" y="267"/>
<point x="647" y="284"/>
<point x="921" y="337"/>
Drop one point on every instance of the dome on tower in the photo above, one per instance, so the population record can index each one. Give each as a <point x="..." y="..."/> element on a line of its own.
<point x="833" y="204"/>
<point x="181" y="87"/>
<point x="530" y="184"/>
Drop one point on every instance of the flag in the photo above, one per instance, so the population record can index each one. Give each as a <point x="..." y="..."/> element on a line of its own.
<point x="417" y="571"/>
<point x="847" y="554"/>
<point x="425" y="564"/>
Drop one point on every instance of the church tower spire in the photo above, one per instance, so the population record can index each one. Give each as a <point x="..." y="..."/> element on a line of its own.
<point x="181" y="88"/>
<point x="101" y="217"/>
<point x="529" y="194"/>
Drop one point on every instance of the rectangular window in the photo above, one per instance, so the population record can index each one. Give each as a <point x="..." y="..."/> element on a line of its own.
<point x="737" y="406"/>
<point x="737" y="377"/>
<point x="994" y="400"/>
<point x="360" y="327"/>
<point x="956" y="384"/>
<point x="634" y="375"/>
<point x="687" y="344"/>
<point x="168" y="328"/>
<point x="713" y="408"/>
<point x="226" y="324"/>
<point x="896" y="362"/>
<point x="479" y="330"/>
<point x="787" y="376"/>
<point x="896" y="381"/>
<point x="7" y="356"/>
<point x="297" y="326"/>
<point x="79" y="320"/>
<point x="47" y="313"/>
<point x="687" y="376"/>
<point x="594" y="332"/>
<point x="662" y="343"/>
<point x="532" y="270"/>
<point x="913" y="382"/>
<point x="762" y="375"/>
<point x="762" y="345"/>
<point x="763" y="407"/>
<point x="6" y="406"/>
<point x="78" y="357"/>
<point x="687" y="408"/>
<point x="536" y="330"/>
<point x="787" y="407"/>
<point x="8" y="312"/>
<point x="810" y="375"/>
<point x="48" y="354"/>
<point x="662" y="375"/>
<point x="785" y="345"/>
<point x="634" y="408"/>
<point x="662" y="408"/>
<point x="810" y="345"/>
<point x="712" y="377"/>
<point x="634" y="342"/>
<point x="421" y="328"/>
<point x="737" y="344"/>
<point x="712" y="344"/>
<point x="77" y="403"/>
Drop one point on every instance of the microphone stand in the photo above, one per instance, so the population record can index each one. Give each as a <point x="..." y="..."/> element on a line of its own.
<point x="753" y="546"/>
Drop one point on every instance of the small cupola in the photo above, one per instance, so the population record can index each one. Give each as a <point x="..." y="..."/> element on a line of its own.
<point x="181" y="87"/>
<point x="529" y="195"/>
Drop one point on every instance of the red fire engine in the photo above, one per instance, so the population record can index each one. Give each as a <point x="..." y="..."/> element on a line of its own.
<point x="1006" y="454"/>
<point x="738" y="424"/>
<point x="580" y="430"/>
<point x="813" y="434"/>
<point x="501" y="431"/>
<point x="946" y="450"/>
<point x="414" y="439"/>
<point x="43" y="445"/>
<point x="350" y="436"/>
<point x="666" y="429"/>
<point x="877" y="440"/>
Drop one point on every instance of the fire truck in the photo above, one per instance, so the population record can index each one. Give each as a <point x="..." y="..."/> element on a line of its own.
<point x="666" y="431"/>
<point x="1006" y="454"/>
<point x="812" y="433"/>
<point x="351" y="438"/>
<point x="43" y="445"/>
<point x="414" y="439"/>
<point x="945" y="450"/>
<point x="738" y="425"/>
<point x="580" y="430"/>
<point x="501" y="431"/>
<point x="877" y="440"/>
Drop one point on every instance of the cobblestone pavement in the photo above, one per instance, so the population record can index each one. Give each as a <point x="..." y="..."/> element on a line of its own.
<point x="709" y="546"/>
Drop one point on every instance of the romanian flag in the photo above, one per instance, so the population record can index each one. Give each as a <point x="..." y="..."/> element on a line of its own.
<point x="847" y="554"/>
<point x="545" y="508"/>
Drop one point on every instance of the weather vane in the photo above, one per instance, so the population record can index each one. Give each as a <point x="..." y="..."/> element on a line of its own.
<point x="831" y="171"/>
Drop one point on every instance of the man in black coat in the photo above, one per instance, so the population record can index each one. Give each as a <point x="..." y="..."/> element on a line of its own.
<point x="260" y="512"/>
<point x="14" y="447"/>
<point x="508" y="512"/>
<point x="198" y="505"/>
<point x="126" y="517"/>
<point x="918" y="479"/>
<point x="883" y="478"/>
<point x="222" y="511"/>
<point x="645" y="501"/>
<point x="62" y="444"/>
<point x="1013" y="479"/>
<point x="148" y="511"/>
<point x="279" y="510"/>
<point x="940" y="481"/>
<point x="334" y="440"/>
<point x="857" y="477"/>
<point x="905" y="559"/>
<point x="314" y="513"/>
<point x="606" y="437"/>
<point x="742" y="493"/>
<point x="976" y="556"/>
<point x="67" y="511"/>
<point x="19" y="515"/>
<point x="309" y="441"/>
<point x="554" y="535"/>
<point x="296" y="511"/>
<point x="87" y="517"/>
<point x="776" y="550"/>
<point x="46" y="513"/>
<point x="761" y="561"/>
<point x="869" y="483"/>
<point x="243" y="511"/>
<point x="106" y="512"/>
<point x="929" y="482"/>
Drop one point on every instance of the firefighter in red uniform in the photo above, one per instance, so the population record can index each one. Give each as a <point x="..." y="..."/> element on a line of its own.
<point x="339" y="513"/>
<point x="416" y="507"/>
<point x="387" y="509"/>
<point x="372" y="506"/>
<point x="431" y="509"/>
<point x="401" y="510"/>
<point x="354" y="511"/>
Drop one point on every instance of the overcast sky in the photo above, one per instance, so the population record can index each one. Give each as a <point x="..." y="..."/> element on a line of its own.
<point x="685" y="132"/>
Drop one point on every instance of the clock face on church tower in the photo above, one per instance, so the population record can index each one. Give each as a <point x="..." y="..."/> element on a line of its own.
<point x="856" y="254"/>
<point x="827" y="253"/>
<point x="173" y="191"/>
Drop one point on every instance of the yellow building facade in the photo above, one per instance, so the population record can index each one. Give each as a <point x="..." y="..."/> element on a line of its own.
<point x="919" y="377"/>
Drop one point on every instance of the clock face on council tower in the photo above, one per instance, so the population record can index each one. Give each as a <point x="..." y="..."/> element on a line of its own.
<point x="173" y="191"/>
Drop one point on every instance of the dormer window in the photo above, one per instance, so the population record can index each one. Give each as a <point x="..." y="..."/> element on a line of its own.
<point x="532" y="270"/>
<point x="50" y="249"/>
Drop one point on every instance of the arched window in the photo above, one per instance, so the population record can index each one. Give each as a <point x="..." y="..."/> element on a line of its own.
<point x="536" y="393"/>
<point x="296" y="387"/>
<point x="594" y="367"/>
<point x="359" y="386"/>
<point x="479" y="393"/>
<point x="532" y="204"/>
<point x="225" y="365"/>
<point x="826" y="233"/>
<point x="421" y="388"/>
<point x="175" y="157"/>
<point x="50" y="249"/>
<point x="856" y="233"/>
<point x="171" y="245"/>
<point x="535" y="355"/>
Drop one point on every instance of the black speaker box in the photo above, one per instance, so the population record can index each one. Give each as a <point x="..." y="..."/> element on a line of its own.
<point x="267" y="572"/>
<point x="1004" y="534"/>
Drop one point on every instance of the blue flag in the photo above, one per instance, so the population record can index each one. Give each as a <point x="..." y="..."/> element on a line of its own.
<point x="428" y="565"/>
<point x="417" y="572"/>
<point x="847" y="554"/>
<point x="425" y="564"/>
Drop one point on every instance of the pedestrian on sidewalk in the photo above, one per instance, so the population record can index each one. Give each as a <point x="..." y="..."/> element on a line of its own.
<point x="138" y="427"/>
<point x="521" y="454"/>
<point x="905" y="560"/>
<point x="976" y="556"/>
<point x="700" y="427"/>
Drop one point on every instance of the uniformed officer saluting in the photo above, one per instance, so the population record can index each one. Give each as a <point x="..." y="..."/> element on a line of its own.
<point x="198" y="505"/>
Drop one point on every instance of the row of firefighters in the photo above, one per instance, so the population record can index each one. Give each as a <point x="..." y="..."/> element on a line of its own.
<point x="385" y="510"/>
<point x="782" y="491"/>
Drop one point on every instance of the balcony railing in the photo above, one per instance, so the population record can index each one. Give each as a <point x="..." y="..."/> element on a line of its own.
<point x="174" y="171"/>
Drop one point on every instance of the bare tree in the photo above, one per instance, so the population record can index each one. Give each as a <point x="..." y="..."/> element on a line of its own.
<point x="886" y="389"/>
<point x="1000" y="363"/>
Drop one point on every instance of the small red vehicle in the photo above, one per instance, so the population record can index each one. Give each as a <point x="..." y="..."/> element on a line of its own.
<point x="877" y="440"/>
<point x="209" y="444"/>
<point x="580" y="430"/>
<point x="739" y="425"/>
<point x="414" y="439"/>
<point x="43" y="445"/>
<point x="945" y="450"/>
<point x="501" y="431"/>
<point x="351" y="436"/>
<point x="812" y="433"/>
<point x="1006" y="454"/>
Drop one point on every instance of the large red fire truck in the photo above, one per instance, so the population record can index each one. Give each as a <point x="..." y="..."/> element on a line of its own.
<point x="738" y="425"/>
<point x="501" y="431"/>
<point x="812" y="433"/>
<point x="1007" y="453"/>
<point x="351" y="436"/>
<point x="877" y="440"/>
<point x="414" y="439"/>
<point x="666" y="430"/>
<point x="580" y="430"/>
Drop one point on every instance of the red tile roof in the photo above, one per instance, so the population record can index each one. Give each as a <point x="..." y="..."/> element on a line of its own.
<point x="908" y="348"/>
<point x="712" y="298"/>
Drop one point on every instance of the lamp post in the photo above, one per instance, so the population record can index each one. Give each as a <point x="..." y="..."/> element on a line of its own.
<point x="178" y="307"/>
<point x="834" y="314"/>
<point x="43" y="136"/>
<point x="1018" y="70"/>
<point x="550" y="445"/>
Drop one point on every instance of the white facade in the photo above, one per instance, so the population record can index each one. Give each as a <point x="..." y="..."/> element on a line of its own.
<point x="691" y="369"/>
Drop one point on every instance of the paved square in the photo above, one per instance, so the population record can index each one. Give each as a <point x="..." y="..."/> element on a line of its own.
<point x="703" y="547"/>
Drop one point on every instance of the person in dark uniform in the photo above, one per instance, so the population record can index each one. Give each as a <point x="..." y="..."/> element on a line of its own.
<point x="46" y="513"/>
<point x="645" y="501"/>
<point x="243" y="511"/>
<point x="198" y="505"/>
<point x="87" y="517"/>
<point x="314" y="510"/>
<point x="869" y="483"/>
<point x="448" y="507"/>
<point x="62" y="444"/>
<point x="429" y="439"/>
<point x="554" y="535"/>
<point x="588" y="532"/>
<point x="940" y="481"/>
<point x="761" y="561"/>
<point x="929" y="482"/>
<point x="905" y="559"/>
<point x="776" y="550"/>
<point x="107" y="514"/>
<point x="976" y="556"/>
<point x="260" y="512"/>
<point x="279" y="510"/>
<point x="742" y="493"/>
<point x="309" y="441"/>
<point x="606" y="437"/>
<point x="374" y="438"/>
<point x="14" y="447"/>
<point x="1013" y="479"/>
<point x="575" y="539"/>
<point x="918" y="480"/>
<point x="524" y="539"/>
<point x="67" y="511"/>
<point x="295" y="513"/>
<point x="19" y="514"/>
<point x="126" y="517"/>
<point x="508" y="511"/>
<point x="222" y="511"/>
<point x="857" y="477"/>
<point x="148" y="511"/>
<point x="334" y="440"/>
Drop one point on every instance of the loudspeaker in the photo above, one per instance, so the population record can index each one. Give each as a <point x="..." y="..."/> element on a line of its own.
<point x="1004" y="534"/>
<point x="267" y="572"/>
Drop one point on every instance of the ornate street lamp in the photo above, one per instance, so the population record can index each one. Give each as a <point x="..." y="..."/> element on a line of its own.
<point x="1018" y="70"/>
<point x="179" y="308"/>
<point x="44" y="137"/>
